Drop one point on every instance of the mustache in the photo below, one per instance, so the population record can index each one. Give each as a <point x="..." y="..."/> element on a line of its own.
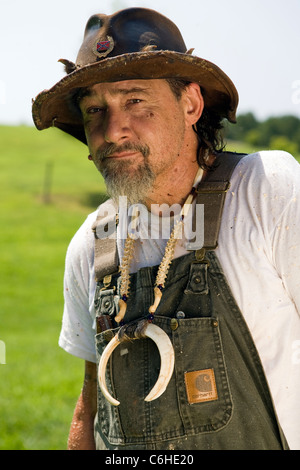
<point x="110" y="149"/>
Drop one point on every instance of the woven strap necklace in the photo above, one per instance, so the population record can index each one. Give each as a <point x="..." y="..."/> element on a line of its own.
<point x="164" y="265"/>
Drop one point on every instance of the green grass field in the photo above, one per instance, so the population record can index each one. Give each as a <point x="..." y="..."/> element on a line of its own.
<point x="48" y="187"/>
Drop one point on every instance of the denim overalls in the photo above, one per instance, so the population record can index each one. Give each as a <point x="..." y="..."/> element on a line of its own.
<point x="218" y="397"/>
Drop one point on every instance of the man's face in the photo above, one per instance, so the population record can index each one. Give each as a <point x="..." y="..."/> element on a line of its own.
<point x="136" y="131"/>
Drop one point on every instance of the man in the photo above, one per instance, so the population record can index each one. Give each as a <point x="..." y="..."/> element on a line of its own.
<point x="214" y="363"/>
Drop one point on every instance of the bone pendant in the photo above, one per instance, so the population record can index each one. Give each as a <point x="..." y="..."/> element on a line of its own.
<point x="167" y="359"/>
<point x="112" y="345"/>
<point x="157" y="298"/>
<point x="122" y="311"/>
<point x="166" y="352"/>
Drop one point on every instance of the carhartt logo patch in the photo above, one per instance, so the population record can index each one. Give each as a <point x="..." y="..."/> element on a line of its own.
<point x="201" y="386"/>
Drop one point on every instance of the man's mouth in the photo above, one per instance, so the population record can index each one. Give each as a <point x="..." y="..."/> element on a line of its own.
<point x="126" y="150"/>
<point x="126" y="154"/>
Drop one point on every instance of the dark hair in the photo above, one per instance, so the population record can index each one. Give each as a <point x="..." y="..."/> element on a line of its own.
<point x="208" y="128"/>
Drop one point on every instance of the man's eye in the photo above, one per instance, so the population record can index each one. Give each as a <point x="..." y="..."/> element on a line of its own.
<point x="135" y="100"/>
<point x="94" y="110"/>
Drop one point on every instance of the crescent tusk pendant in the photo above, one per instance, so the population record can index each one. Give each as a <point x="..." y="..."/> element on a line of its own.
<point x="112" y="345"/>
<point x="167" y="358"/>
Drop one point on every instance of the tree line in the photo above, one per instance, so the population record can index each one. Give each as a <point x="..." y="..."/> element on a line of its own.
<point x="281" y="133"/>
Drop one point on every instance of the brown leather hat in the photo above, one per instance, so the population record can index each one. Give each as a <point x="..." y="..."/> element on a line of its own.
<point x="136" y="43"/>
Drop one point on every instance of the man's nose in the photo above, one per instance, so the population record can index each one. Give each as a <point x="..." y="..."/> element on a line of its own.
<point x="117" y="127"/>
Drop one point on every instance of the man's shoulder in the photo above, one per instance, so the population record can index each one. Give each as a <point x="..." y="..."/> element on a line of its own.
<point x="268" y="157"/>
<point x="83" y="239"/>
<point x="86" y="229"/>
<point x="268" y="172"/>
<point x="269" y="162"/>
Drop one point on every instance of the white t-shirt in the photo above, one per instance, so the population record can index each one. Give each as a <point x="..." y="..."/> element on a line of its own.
<point x="259" y="251"/>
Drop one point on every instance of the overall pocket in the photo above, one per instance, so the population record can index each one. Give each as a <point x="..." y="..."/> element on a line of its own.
<point x="197" y="399"/>
<point x="204" y="397"/>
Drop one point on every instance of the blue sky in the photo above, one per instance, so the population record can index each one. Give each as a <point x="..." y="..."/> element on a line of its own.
<point x="256" y="42"/>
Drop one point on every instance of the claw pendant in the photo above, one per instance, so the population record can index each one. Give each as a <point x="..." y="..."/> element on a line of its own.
<point x="166" y="352"/>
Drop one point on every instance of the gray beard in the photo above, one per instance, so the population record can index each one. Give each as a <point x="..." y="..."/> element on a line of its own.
<point x="120" y="179"/>
<point x="134" y="185"/>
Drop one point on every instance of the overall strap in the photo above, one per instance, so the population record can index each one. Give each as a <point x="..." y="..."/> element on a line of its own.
<point x="211" y="192"/>
<point x="106" y="260"/>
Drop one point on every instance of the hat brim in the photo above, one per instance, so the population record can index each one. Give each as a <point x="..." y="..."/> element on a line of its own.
<point x="55" y="107"/>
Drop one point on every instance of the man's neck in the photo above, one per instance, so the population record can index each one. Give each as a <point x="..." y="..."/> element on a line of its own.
<point x="172" y="188"/>
<point x="175" y="188"/>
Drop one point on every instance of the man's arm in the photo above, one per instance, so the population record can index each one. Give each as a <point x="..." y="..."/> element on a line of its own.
<point x="81" y="435"/>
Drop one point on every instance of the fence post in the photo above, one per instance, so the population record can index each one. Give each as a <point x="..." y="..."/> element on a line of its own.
<point x="47" y="183"/>
<point x="2" y="352"/>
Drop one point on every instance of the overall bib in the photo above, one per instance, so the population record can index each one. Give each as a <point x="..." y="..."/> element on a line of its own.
<point x="218" y="397"/>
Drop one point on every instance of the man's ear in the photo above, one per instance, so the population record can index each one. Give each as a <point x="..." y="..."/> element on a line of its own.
<point x="194" y="103"/>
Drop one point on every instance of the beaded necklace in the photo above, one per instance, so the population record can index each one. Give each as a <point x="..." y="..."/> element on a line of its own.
<point x="164" y="265"/>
